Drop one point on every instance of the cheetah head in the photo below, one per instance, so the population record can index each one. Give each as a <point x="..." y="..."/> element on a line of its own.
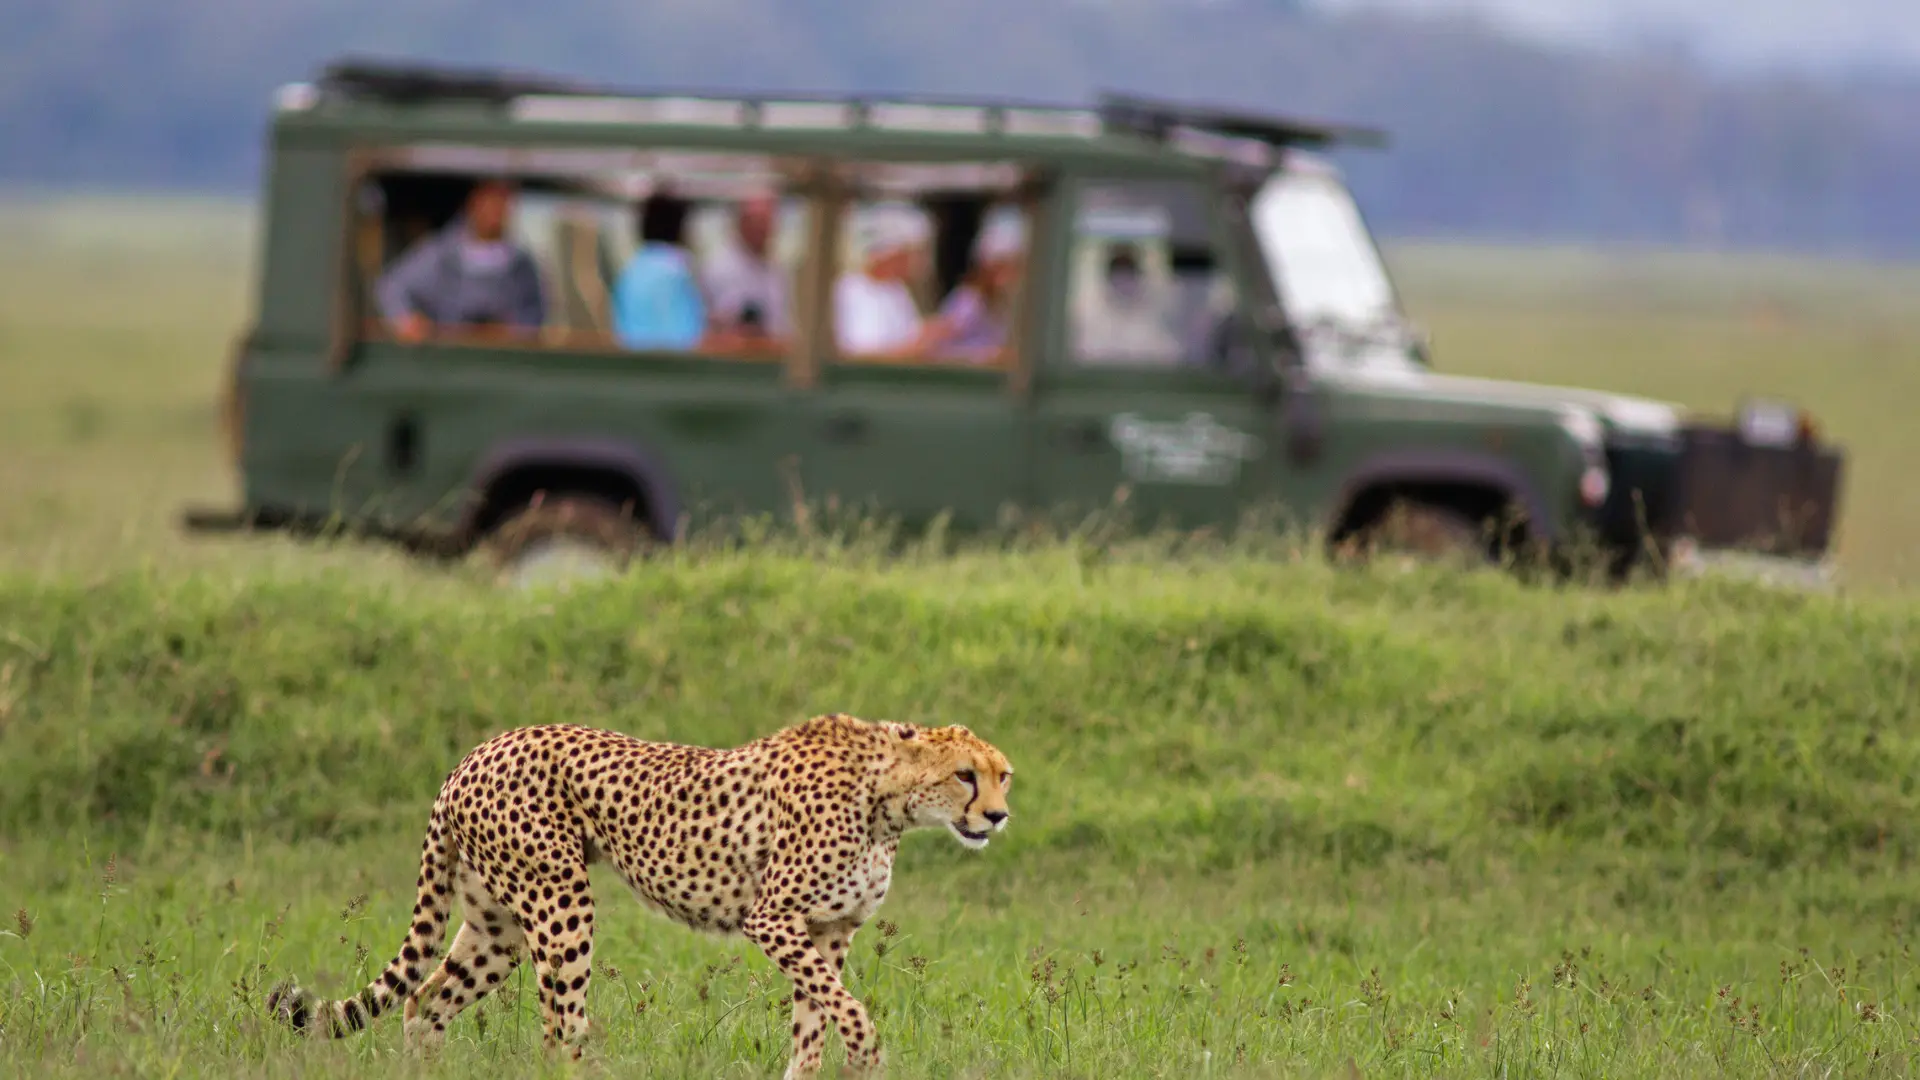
<point x="952" y="779"/>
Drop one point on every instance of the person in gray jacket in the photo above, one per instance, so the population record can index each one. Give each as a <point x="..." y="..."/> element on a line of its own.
<point x="468" y="275"/>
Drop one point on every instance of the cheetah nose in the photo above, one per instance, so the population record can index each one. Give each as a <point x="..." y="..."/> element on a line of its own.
<point x="995" y="816"/>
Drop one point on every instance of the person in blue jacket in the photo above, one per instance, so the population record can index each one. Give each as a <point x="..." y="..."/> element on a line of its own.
<point x="657" y="302"/>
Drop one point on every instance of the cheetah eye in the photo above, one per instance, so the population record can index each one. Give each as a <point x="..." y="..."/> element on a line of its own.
<point x="1006" y="778"/>
<point x="965" y="776"/>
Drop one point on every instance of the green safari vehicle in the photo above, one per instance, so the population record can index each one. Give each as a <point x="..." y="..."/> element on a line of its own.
<point x="505" y="311"/>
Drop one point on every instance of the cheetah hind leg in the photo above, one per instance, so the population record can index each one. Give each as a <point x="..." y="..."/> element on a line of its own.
<point x="485" y="950"/>
<point x="558" y="916"/>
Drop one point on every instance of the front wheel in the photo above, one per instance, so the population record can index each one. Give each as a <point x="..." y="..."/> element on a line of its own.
<point x="1420" y="531"/>
<point x="564" y="538"/>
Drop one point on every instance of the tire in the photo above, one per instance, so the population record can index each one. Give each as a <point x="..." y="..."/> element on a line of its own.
<point x="1423" y="532"/>
<point x="598" y="538"/>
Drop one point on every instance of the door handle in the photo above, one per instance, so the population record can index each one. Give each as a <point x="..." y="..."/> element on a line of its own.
<point x="1084" y="435"/>
<point x="846" y="427"/>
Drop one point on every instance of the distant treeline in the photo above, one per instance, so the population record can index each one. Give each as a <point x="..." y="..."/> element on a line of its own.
<point x="1494" y="137"/>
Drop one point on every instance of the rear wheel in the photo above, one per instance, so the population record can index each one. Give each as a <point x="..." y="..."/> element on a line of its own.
<point x="557" y="539"/>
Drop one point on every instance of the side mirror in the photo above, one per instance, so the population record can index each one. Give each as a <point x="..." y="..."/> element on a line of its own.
<point x="1423" y="346"/>
<point x="1274" y="382"/>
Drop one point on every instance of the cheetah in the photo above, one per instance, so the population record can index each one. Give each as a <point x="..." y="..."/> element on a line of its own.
<point x="788" y="840"/>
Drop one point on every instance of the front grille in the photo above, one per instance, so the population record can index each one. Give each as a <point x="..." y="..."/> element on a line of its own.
<point x="1775" y="500"/>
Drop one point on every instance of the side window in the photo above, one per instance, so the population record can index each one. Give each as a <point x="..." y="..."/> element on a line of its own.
<point x="932" y="262"/>
<point x="595" y="250"/>
<point x="1146" y="288"/>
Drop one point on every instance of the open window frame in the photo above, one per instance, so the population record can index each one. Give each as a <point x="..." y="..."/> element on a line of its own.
<point x="432" y="177"/>
<point x="958" y="196"/>
<point x="1210" y="230"/>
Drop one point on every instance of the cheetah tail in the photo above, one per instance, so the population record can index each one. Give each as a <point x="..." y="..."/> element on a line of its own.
<point x="297" y="1009"/>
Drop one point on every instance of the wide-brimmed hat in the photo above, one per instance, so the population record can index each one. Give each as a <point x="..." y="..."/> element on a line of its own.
<point x="888" y="228"/>
<point x="1004" y="237"/>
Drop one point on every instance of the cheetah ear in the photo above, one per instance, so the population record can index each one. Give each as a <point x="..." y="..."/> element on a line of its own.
<point x="901" y="731"/>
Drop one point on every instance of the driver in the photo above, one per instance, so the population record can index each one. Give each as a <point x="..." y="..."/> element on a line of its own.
<point x="1127" y="326"/>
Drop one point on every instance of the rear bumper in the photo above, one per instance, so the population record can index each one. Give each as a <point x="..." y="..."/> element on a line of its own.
<point x="419" y="541"/>
<point x="207" y="519"/>
<point x="1710" y="491"/>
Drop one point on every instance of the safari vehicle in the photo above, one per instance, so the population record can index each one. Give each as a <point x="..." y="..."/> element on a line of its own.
<point x="1200" y="319"/>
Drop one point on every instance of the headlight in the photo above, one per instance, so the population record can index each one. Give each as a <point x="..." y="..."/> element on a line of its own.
<point x="1585" y="429"/>
<point x="1594" y="485"/>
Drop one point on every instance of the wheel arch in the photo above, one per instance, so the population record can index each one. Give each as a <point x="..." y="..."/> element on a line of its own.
<point x="1477" y="483"/>
<point x="513" y="470"/>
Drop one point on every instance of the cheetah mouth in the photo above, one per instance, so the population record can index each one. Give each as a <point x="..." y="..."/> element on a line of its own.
<point x="968" y="836"/>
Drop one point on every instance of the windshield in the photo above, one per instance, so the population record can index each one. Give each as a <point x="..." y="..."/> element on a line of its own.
<point x="1328" y="272"/>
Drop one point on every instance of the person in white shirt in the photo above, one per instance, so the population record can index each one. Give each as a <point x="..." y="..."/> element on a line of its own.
<point x="976" y="312"/>
<point x="874" y="312"/>
<point x="746" y="290"/>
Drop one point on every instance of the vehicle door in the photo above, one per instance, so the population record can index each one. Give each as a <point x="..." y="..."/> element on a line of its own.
<point x="1135" y="398"/>
<point x="917" y="433"/>
<point x="710" y="422"/>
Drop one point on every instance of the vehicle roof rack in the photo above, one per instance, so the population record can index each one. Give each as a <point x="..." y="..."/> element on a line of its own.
<point x="1157" y="119"/>
<point x="1222" y="132"/>
<point x="406" y="81"/>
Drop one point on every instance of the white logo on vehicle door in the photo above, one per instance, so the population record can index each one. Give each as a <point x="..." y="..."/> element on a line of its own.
<point x="1194" y="450"/>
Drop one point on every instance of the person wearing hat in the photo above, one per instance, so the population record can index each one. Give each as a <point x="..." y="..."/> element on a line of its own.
<point x="873" y="309"/>
<point x="974" y="318"/>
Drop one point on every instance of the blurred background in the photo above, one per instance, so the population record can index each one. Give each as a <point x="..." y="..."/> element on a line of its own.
<point x="1709" y="122"/>
<point x="1691" y="200"/>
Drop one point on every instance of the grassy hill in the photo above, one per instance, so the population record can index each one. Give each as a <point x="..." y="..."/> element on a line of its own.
<point x="1268" y="817"/>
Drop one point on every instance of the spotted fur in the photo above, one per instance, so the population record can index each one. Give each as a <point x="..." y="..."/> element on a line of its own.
<point x="788" y="840"/>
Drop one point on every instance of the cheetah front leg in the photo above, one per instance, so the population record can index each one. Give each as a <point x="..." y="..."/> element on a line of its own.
<point x="789" y="942"/>
<point x="809" y="1018"/>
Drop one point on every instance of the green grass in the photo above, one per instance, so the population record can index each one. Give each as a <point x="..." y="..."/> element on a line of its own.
<point x="1269" y="817"/>
<point x="1272" y="820"/>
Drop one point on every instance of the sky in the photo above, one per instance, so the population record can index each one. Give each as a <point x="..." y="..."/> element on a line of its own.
<point x="1742" y="33"/>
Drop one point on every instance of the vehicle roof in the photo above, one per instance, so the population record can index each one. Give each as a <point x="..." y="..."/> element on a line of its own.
<point x="389" y="101"/>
